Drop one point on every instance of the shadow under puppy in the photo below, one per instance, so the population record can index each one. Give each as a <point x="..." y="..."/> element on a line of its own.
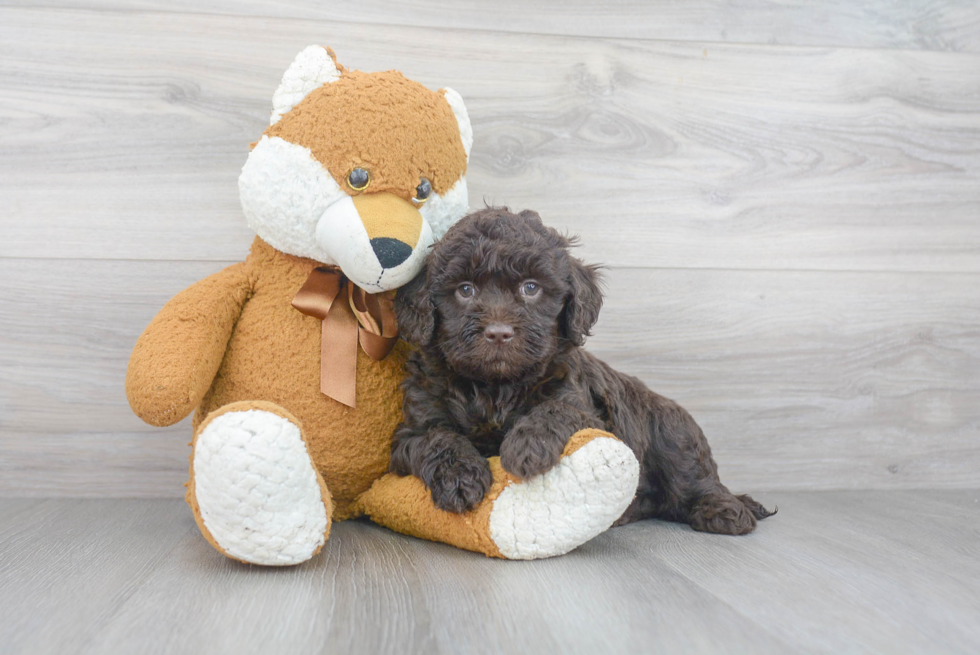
<point x="500" y="314"/>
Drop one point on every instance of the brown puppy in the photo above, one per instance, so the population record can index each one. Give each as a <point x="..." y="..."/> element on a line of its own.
<point x="499" y="316"/>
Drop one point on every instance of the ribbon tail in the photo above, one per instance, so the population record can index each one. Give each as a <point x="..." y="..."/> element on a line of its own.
<point x="338" y="354"/>
<point x="376" y="346"/>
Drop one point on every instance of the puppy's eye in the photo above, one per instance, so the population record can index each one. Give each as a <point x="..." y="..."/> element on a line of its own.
<point x="358" y="179"/>
<point x="530" y="288"/>
<point x="465" y="291"/>
<point x="422" y="192"/>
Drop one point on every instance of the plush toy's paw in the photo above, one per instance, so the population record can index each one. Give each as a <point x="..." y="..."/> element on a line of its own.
<point x="550" y="514"/>
<point x="254" y="491"/>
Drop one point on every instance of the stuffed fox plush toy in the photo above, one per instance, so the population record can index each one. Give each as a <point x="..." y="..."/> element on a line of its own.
<point x="291" y="358"/>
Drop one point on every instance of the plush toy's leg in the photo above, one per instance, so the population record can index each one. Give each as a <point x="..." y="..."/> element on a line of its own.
<point x="550" y="514"/>
<point x="254" y="491"/>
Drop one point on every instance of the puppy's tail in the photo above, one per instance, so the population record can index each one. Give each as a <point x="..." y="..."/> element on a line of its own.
<point x="754" y="506"/>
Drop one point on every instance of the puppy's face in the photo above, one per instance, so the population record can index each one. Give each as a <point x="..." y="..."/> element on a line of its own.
<point x="500" y="297"/>
<point x="498" y="325"/>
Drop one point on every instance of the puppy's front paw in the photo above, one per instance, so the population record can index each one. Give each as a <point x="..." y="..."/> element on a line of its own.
<point x="525" y="454"/>
<point x="459" y="485"/>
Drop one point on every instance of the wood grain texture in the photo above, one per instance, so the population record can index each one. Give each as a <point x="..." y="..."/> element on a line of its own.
<point x="66" y="331"/>
<point x="832" y="572"/>
<point x="792" y="218"/>
<point x="800" y="379"/>
<point x="919" y="25"/>
<point x="124" y="133"/>
<point x="377" y="592"/>
<point x="69" y="566"/>
<point x="846" y="572"/>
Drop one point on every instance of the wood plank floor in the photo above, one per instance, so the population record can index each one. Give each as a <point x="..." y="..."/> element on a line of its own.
<point x="833" y="572"/>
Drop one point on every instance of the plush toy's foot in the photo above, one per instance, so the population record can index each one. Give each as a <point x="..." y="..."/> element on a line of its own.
<point x="254" y="491"/>
<point x="548" y="515"/>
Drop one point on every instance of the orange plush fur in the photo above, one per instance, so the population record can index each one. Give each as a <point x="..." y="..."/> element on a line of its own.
<point x="394" y="145"/>
<point x="235" y="337"/>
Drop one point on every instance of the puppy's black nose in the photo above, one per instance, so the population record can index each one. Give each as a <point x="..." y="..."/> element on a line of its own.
<point x="498" y="333"/>
<point x="390" y="252"/>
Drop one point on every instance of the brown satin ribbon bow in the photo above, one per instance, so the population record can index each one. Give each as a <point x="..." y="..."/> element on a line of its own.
<point x="348" y="315"/>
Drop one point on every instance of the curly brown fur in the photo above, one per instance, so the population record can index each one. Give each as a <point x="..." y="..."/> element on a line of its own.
<point x="500" y="370"/>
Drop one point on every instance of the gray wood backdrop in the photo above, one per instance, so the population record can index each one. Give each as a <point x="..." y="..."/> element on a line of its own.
<point x="786" y="194"/>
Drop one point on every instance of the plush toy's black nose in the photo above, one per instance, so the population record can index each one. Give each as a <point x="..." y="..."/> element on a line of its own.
<point x="390" y="252"/>
<point x="498" y="333"/>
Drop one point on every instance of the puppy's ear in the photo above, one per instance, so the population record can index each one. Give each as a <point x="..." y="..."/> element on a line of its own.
<point x="582" y="304"/>
<point x="529" y="215"/>
<point x="415" y="312"/>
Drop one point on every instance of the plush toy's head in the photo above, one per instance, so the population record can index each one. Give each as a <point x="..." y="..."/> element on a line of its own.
<point x="360" y="170"/>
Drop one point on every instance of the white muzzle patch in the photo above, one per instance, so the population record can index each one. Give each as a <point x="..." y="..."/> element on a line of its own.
<point x="341" y="234"/>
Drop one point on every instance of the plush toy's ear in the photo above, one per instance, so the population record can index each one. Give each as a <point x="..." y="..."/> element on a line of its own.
<point x="415" y="312"/>
<point x="582" y="304"/>
<point x="462" y="118"/>
<point x="311" y="69"/>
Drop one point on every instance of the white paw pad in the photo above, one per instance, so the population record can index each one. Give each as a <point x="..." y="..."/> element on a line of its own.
<point x="257" y="490"/>
<point x="563" y="508"/>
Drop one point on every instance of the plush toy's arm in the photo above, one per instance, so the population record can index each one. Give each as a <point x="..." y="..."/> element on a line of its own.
<point x="177" y="356"/>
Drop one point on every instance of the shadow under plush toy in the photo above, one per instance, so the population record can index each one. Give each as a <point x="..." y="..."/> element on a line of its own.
<point x="291" y="358"/>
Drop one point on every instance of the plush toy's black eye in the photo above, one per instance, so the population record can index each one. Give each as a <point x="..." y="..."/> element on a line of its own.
<point x="422" y="192"/>
<point x="358" y="179"/>
<point x="530" y="288"/>
<point x="465" y="291"/>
